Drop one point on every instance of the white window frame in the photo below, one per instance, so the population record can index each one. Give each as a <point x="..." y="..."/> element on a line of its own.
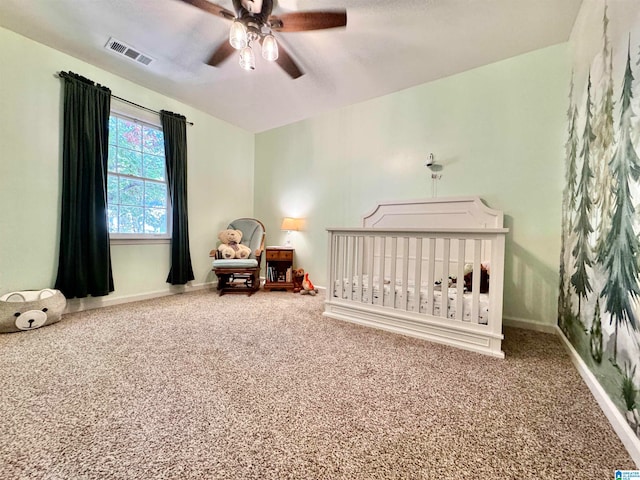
<point x="142" y="238"/>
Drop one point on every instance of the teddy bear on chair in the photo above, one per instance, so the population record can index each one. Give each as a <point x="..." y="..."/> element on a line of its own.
<point x="231" y="246"/>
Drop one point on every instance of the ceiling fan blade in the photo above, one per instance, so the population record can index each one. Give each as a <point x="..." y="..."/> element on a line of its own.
<point x="302" y="21"/>
<point x="287" y="64"/>
<point x="221" y="54"/>
<point x="211" y="8"/>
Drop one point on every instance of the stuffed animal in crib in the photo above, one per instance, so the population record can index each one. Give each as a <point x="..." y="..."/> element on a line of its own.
<point x="230" y="246"/>
<point x="298" y="277"/>
<point x="307" y="287"/>
<point x="484" y="277"/>
<point x="450" y="284"/>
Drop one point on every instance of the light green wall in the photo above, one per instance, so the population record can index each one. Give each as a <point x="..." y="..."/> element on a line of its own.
<point x="220" y="167"/>
<point x="499" y="132"/>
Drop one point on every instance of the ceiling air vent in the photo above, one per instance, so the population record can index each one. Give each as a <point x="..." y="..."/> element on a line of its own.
<point x="128" y="51"/>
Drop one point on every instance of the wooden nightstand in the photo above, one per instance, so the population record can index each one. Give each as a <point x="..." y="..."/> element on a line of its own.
<point x="279" y="268"/>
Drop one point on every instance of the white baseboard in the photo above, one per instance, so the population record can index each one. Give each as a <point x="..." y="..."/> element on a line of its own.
<point x="89" y="303"/>
<point x="616" y="419"/>
<point x="528" y="324"/>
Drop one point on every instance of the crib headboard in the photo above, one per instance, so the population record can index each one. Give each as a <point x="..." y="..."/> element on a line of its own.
<point x="452" y="212"/>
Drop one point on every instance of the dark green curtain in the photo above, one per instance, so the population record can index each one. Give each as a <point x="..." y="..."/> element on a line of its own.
<point x="84" y="266"/>
<point x="174" y="127"/>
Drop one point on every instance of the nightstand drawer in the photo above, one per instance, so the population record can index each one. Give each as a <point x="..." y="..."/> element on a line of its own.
<point x="279" y="254"/>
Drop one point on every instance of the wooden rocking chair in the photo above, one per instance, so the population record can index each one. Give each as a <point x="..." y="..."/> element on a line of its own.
<point x="241" y="275"/>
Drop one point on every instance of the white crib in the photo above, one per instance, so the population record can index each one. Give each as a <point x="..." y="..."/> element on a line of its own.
<point x="394" y="272"/>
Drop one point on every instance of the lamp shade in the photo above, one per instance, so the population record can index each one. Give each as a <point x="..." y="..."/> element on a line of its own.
<point x="290" y="224"/>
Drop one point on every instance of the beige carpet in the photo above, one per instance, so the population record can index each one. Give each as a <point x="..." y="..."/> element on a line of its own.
<point x="196" y="386"/>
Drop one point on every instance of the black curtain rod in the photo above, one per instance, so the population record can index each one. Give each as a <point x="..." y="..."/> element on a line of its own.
<point x="62" y="75"/>
<point x="141" y="106"/>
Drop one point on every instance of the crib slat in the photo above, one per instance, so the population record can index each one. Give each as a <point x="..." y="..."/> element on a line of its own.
<point x="371" y="242"/>
<point x="349" y="253"/>
<point x="431" y="274"/>
<point x="359" y="264"/>
<point x="392" y="275"/>
<point x="460" y="280"/>
<point x="404" y="292"/>
<point x="343" y="266"/>
<point x="444" y="286"/>
<point x="331" y="280"/>
<point x="383" y="260"/>
<point x="496" y="284"/>
<point x="340" y="250"/>
<point x="475" y="297"/>
<point x="417" y="276"/>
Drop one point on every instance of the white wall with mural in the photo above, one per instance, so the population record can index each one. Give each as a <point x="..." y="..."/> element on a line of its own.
<point x="599" y="299"/>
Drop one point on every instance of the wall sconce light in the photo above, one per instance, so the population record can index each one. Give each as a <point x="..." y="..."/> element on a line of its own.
<point x="289" y="224"/>
<point x="432" y="164"/>
<point x="435" y="175"/>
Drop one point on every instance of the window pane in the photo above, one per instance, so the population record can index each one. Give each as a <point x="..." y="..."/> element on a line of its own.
<point x="152" y="141"/>
<point x="129" y="134"/>
<point x="129" y="162"/>
<point x="112" y="163"/>
<point x="113" y="131"/>
<point x="154" y="167"/>
<point x="112" y="215"/>
<point x="137" y="196"/>
<point x="131" y="219"/>
<point x="131" y="191"/>
<point x="155" y="195"/>
<point x="112" y="189"/>
<point x="155" y="220"/>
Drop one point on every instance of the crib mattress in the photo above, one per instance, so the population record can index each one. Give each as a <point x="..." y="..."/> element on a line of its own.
<point x="400" y="303"/>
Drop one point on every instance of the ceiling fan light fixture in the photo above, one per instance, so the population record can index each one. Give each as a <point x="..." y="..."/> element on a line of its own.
<point x="269" y="48"/>
<point x="238" y="35"/>
<point x="247" y="59"/>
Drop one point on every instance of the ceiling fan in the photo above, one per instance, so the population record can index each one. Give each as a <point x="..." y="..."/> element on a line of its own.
<point x="253" y="23"/>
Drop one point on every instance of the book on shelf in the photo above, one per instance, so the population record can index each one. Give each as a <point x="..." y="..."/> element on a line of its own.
<point x="272" y="274"/>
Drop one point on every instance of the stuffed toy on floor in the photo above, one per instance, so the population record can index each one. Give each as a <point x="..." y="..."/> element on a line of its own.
<point x="298" y="277"/>
<point x="307" y="287"/>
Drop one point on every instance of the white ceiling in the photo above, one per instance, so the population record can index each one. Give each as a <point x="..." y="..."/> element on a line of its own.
<point x="388" y="45"/>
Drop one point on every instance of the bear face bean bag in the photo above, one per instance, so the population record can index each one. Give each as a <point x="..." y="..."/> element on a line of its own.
<point x="30" y="309"/>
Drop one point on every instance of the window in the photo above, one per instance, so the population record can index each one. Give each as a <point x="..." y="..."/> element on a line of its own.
<point x="137" y="197"/>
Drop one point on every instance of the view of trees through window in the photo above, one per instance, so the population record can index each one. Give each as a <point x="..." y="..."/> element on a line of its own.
<point x="136" y="183"/>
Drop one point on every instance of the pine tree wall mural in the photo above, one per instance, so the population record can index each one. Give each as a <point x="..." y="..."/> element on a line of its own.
<point x="565" y="307"/>
<point x="599" y="284"/>
<point x="582" y="250"/>
<point x="622" y="246"/>
<point x="603" y="129"/>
